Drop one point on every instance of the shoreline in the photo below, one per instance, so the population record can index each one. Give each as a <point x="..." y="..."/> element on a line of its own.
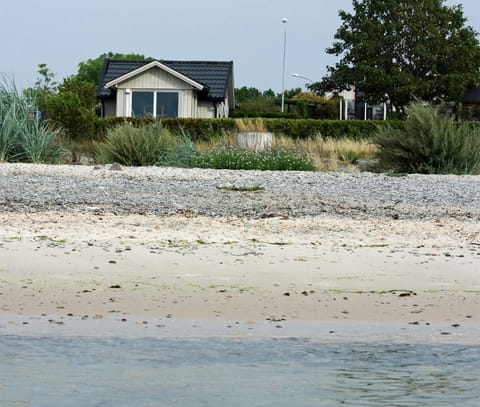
<point x="198" y="329"/>
<point x="75" y="264"/>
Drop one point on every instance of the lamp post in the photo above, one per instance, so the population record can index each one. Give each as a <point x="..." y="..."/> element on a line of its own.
<point x="296" y="75"/>
<point x="284" y="21"/>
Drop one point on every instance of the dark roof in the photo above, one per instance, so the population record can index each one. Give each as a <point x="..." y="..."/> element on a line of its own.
<point x="214" y="75"/>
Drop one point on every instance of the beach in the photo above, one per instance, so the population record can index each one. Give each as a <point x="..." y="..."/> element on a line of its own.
<point x="82" y="243"/>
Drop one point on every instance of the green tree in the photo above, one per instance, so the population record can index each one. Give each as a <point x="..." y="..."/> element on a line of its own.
<point x="46" y="79"/>
<point x="73" y="108"/>
<point x="91" y="69"/>
<point x="246" y="95"/>
<point x="45" y="85"/>
<point x="73" y="103"/>
<point x="402" y="50"/>
<point x="291" y="93"/>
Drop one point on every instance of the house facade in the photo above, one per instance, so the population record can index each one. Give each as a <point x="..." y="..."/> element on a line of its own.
<point x="354" y="106"/>
<point x="160" y="88"/>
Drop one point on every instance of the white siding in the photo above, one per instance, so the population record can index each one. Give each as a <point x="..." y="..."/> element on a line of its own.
<point x="155" y="79"/>
<point x="186" y="100"/>
<point x="121" y="102"/>
<point x="206" y="110"/>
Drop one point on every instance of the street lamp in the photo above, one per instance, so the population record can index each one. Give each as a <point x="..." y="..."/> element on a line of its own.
<point x="296" y="75"/>
<point x="284" y="21"/>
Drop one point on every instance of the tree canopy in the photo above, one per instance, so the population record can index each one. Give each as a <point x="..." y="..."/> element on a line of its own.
<point x="90" y="70"/>
<point x="402" y="50"/>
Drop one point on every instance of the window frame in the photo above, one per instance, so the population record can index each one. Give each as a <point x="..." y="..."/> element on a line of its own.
<point x="154" y="92"/>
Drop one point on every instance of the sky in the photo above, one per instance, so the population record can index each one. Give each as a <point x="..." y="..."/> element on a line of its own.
<point x="62" y="33"/>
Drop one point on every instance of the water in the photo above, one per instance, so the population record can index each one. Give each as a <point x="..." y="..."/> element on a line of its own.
<point x="148" y="371"/>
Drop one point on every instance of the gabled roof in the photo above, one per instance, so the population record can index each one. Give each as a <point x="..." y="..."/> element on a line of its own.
<point x="151" y="65"/>
<point x="212" y="75"/>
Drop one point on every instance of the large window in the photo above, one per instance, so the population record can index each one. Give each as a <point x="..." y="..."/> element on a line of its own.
<point x="167" y="104"/>
<point x="142" y="104"/>
<point x="154" y="103"/>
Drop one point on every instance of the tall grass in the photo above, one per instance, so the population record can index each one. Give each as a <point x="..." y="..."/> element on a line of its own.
<point x="343" y="151"/>
<point x="23" y="137"/>
<point x="256" y="124"/>
<point x="429" y="143"/>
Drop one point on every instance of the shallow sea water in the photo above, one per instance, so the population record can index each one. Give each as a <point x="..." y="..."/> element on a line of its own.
<point x="147" y="371"/>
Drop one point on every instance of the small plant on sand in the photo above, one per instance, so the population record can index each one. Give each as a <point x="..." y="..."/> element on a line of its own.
<point x="429" y="143"/>
<point x="252" y="188"/>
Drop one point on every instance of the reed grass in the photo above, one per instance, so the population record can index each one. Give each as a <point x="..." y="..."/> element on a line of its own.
<point x="22" y="137"/>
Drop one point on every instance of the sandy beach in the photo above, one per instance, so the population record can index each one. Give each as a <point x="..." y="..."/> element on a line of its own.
<point x="273" y="268"/>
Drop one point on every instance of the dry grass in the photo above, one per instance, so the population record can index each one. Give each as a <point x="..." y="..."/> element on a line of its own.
<point x="251" y="125"/>
<point x="227" y="140"/>
<point x="328" y="154"/>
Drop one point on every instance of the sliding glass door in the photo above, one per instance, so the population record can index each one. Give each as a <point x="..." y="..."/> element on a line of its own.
<point x="154" y="103"/>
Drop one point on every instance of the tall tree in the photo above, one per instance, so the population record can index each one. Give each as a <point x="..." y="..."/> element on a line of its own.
<point x="91" y="69"/>
<point x="401" y="50"/>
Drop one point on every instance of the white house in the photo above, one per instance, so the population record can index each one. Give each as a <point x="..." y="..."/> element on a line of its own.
<point x="160" y="88"/>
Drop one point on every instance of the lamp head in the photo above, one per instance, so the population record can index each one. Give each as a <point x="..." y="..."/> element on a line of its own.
<point x="284" y="21"/>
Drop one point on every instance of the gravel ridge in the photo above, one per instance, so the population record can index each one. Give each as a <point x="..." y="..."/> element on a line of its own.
<point x="169" y="191"/>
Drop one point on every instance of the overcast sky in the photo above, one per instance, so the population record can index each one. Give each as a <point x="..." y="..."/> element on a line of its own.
<point x="62" y="33"/>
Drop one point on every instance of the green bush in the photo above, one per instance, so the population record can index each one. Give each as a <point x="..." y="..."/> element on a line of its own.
<point x="182" y="154"/>
<point x="73" y="108"/>
<point x="197" y="129"/>
<point x="24" y="137"/>
<point x="144" y="145"/>
<point x="335" y="129"/>
<point x="240" y="159"/>
<point x="429" y="143"/>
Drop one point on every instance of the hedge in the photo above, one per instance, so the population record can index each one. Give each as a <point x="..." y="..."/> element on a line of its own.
<point x="197" y="129"/>
<point x="206" y="129"/>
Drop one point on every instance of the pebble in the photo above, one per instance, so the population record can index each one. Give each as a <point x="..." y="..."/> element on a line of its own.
<point x="168" y="191"/>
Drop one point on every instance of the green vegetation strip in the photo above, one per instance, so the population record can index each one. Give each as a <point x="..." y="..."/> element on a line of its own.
<point x="252" y="188"/>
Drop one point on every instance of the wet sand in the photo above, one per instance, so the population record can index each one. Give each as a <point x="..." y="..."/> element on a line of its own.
<point x="59" y="266"/>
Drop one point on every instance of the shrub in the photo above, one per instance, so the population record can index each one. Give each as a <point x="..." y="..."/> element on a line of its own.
<point x="429" y="143"/>
<point x="65" y="110"/>
<point x="182" y="154"/>
<point x="136" y="146"/>
<point x="24" y="137"/>
<point x="239" y="159"/>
